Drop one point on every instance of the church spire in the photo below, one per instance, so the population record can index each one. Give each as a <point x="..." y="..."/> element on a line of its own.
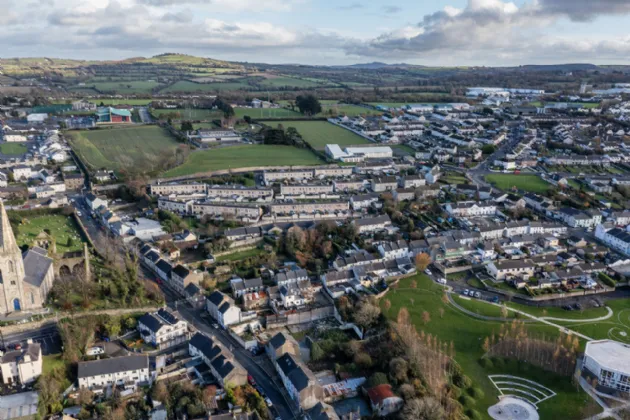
<point x="7" y="239"/>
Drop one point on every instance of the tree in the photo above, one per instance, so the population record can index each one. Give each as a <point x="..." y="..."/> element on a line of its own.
<point x="441" y="310"/>
<point x="488" y="149"/>
<point x="308" y="104"/>
<point x="398" y="369"/>
<point x="160" y="392"/>
<point x="504" y="311"/>
<point x="377" y="378"/>
<point x="187" y="126"/>
<point x="427" y="408"/>
<point x="413" y="284"/>
<point x="422" y="261"/>
<point x="426" y="317"/>
<point x="316" y="352"/>
<point x="367" y="315"/>
<point x="387" y="304"/>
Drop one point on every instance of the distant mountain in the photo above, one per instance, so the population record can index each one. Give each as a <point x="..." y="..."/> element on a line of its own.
<point x="559" y="67"/>
<point x="375" y="65"/>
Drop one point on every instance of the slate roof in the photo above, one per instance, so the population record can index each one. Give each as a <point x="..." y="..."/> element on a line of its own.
<point x="205" y="345"/>
<point x="165" y="267"/>
<point x="216" y="298"/>
<point x="222" y="365"/>
<point x="36" y="265"/>
<point x="293" y="371"/>
<point x="113" y="365"/>
<point x="150" y="322"/>
<point x="192" y="289"/>
<point x="181" y="271"/>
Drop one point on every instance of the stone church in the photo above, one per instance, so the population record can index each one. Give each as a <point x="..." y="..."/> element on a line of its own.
<point x="25" y="278"/>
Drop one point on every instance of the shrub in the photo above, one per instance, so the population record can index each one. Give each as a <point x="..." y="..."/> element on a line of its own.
<point x="486" y="363"/>
<point x="363" y="360"/>
<point x="467" y="401"/>
<point x="476" y="393"/>
<point x="377" y="378"/>
<point x="462" y="381"/>
<point x="473" y="414"/>
<point x="607" y="280"/>
<point x="498" y="362"/>
<point x="456" y="392"/>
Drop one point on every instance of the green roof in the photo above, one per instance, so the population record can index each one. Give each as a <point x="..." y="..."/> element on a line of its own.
<point x="113" y="111"/>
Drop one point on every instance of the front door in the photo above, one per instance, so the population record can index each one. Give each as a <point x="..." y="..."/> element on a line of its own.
<point x="16" y="305"/>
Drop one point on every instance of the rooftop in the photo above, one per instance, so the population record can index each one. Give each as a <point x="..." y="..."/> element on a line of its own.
<point x="611" y="354"/>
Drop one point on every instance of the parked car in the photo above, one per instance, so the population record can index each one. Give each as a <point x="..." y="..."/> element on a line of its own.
<point x="268" y="402"/>
<point x="93" y="351"/>
<point x="427" y="272"/>
<point x="495" y="299"/>
<point x="477" y="295"/>
<point x="441" y="280"/>
<point x="465" y="292"/>
<point x="251" y="380"/>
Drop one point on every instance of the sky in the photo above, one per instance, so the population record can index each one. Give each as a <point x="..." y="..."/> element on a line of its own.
<point x="323" y="32"/>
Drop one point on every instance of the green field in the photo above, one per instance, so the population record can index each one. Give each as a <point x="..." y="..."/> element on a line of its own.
<point x="114" y="102"/>
<point x="347" y="110"/>
<point x="616" y="327"/>
<point x="467" y="335"/>
<point x="61" y="228"/>
<point x="237" y="256"/>
<point x="321" y="133"/>
<point x="530" y="183"/>
<point x="187" y="86"/>
<point x="124" y="87"/>
<point x="285" y="81"/>
<point x="189" y="114"/>
<point x="138" y="148"/>
<point x="242" y="157"/>
<point x="587" y="105"/>
<point x="266" y="113"/>
<point x="13" y="149"/>
<point x="389" y="104"/>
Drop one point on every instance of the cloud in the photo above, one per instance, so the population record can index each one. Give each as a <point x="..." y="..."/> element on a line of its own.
<point x="351" y="6"/>
<point x="584" y="10"/>
<point x="391" y="9"/>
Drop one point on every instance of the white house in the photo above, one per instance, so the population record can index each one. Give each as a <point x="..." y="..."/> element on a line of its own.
<point x="162" y="328"/>
<point x="394" y="249"/>
<point x="471" y="209"/>
<point x="616" y="238"/>
<point x="222" y="308"/>
<point x="502" y="270"/>
<point x="95" y="202"/>
<point x="128" y="371"/>
<point x="22" y="366"/>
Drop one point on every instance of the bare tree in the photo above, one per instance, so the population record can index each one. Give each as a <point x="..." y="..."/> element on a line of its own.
<point x="423" y="409"/>
<point x="367" y="314"/>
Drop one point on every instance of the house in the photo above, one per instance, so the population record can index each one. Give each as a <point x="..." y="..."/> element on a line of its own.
<point x="301" y="384"/>
<point x="291" y="276"/>
<point x="222" y="308"/>
<point x="162" y="328"/>
<point x="373" y="224"/>
<point x="83" y="105"/>
<point x="164" y="270"/>
<point x="282" y="343"/>
<point x="616" y="238"/>
<point x="128" y="371"/>
<point x="228" y="371"/>
<point x="363" y="201"/>
<point x="383" y="401"/>
<point x="471" y="209"/>
<point x="241" y="287"/>
<point x="578" y="218"/>
<point x="22" y="366"/>
<point x="506" y="269"/>
<point x="73" y="181"/>
<point x="95" y="202"/>
<point x="411" y="181"/>
<point x="404" y="194"/>
<point x="388" y="183"/>
<point x="21" y="172"/>
<point x="181" y="277"/>
<point x="243" y="233"/>
<point x="393" y="250"/>
<point x="195" y="296"/>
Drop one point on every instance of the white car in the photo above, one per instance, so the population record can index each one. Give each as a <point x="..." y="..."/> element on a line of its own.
<point x="442" y="280"/>
<point x="465" y="292"/>
<point x="268" y="402"/>
<point x="427" y="272"/>
<point x="94" y="351"/>
<point x="477" y="295"/>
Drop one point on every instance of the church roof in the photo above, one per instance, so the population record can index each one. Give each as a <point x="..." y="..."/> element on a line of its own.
<point x="36" y="266"/>
<point x="7" y="239"/>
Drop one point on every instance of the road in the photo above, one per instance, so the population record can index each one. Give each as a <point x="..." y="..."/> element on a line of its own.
<point x="47" y="336"/>
<point x="145" y="117"/>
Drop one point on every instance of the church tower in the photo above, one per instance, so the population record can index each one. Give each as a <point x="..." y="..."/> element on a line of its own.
<point x="11" y="267"/>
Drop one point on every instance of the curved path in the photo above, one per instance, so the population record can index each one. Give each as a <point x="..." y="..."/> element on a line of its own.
<point x="601" y="318"/>
<point x="478" y="316"/>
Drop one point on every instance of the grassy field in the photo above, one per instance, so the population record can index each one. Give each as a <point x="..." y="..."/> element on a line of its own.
<point x="480" y="307"/>
<point x="131" y="87"/>
<point x="189" y="114"/>
<point x="186" y="86"/>
<point x="285" y="81"/>
<point x="530" y="183"/>
<point x="614" y="327"/>
<point x="267" y="113"/>
<point x="123" y="148"/>
<point x="242" y="157"/>
<point x="467" y="335"/>
<point x="347" y="110"/>
<point x="110" y="101"/>
<point x="389" y="104"/>
<point x="61" y="228"/>
<point x="241" y="255"/>
<point x="321" y="133"/>
<point x="13" y="149"/>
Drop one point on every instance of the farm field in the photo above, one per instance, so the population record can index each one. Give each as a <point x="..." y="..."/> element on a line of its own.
<point x="187" y="86"/>
<point x="114" y="102"/>
<point x="529" y="183"/>
<point x="347" y="110"/>
<point x="12" y="149"/>
<point x="124" y="87"/>
<point x="320" y="133"/>
<point x="285" y="81"/>
<point x="266" y="113"/>
<point x="189" y="114"/>
<point x="139" y="148"/>
<point x="61" y="228"/>
<point x="467" y="335"/>
<point x="242" y="157"/>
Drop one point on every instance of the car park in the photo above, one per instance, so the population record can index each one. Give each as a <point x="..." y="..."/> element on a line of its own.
<point x="465" y="292"/>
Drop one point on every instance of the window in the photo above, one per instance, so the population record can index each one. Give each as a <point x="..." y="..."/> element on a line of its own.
<point x="11" y="267"/>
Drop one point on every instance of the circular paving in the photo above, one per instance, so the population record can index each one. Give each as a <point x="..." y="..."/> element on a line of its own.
<point x="510" y="408"/>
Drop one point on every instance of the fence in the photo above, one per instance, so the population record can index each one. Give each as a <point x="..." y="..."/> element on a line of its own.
<point x="302" y="317"/>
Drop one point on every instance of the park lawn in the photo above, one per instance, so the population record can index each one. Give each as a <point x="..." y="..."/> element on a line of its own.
<point x="320" y="133"/>
<point x="61" y="228"/>
<point x="389" y="104"/>
<point x="480" y="307"/>
<point x="241" y="255"/>
<point x="558" y="312"/>
<point x="404" y="149"/>
<point x="613" y="328"/>
<point x="261" y="113"/>
<point x="529" y="183"/>
<point x="188" y="114"/>
<point x="242" y="157"/>
<point x="13" y="149"/>
<point x="114" y="102"/>
<point x="453" y="178"/>
<point x="138" y="148"/>
<point x="467" y="335"/>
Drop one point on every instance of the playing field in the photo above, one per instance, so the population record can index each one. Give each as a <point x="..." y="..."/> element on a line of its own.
<point x="188" y="114"/>
<point x="109" y="101"/>
<point x="243" y="157"/>
<point x="12" y="149"/>
<point x="61" y="228"/>
<point x="266" y="113"/>
<point x="530" y="183"/>
<point x="138" y="148"/>
<point x="321" y="133"/>
<point x="467" y="335"/>
<point x="341" y="110"/>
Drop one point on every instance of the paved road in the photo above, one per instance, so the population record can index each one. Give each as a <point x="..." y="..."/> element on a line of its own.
<point x="145" y="117"/>
<point x="47" y="336"/>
